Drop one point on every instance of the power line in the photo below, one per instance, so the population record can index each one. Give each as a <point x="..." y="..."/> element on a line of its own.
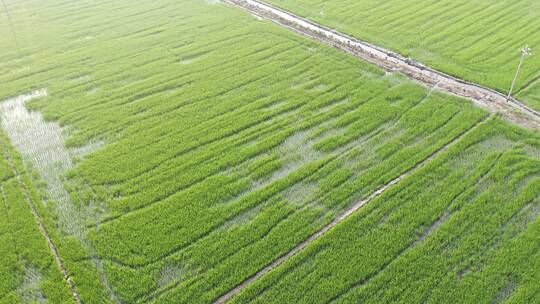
<point x="11" y="25"/>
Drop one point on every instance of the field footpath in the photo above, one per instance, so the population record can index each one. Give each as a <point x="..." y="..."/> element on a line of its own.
<point x="40" y="224"/>
<point x="487" y="98"/>
<point x="347" y="213"/>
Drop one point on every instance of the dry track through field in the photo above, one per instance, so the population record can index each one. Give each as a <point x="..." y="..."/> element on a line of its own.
<point x="345" y="214"/>
<point x="43" y="230"/>
<point x="487" y="98"/>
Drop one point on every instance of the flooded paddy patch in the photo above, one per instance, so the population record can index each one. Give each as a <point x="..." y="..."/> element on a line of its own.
<point x="29" y="291"/>
<point x="41" y="145"/>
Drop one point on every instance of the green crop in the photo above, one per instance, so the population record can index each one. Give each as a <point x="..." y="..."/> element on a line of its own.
<point x="206" y="143"/>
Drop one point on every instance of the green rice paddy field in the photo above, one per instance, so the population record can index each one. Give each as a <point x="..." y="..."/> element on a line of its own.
<point x="184" y="145"/>
<point x="476" y="40"/>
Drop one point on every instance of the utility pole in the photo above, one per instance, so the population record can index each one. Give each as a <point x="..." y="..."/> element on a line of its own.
<point x="525" y="51"/>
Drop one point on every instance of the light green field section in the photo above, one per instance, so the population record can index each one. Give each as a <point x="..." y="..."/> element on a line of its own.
<point x="464" y="229"/>
<point x="28" y="271"/>
<point x="475" y="40"/>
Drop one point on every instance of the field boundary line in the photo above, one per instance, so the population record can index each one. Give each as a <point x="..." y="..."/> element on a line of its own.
<point x="39" y="222"/>
<point x="348" y="212"/>
<point x="487" y="98"/>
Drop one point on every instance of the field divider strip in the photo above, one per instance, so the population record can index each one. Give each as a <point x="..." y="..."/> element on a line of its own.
<point x="40" y="224"/>
<point x="490" y="99"/>
<point x="347" y="213"/>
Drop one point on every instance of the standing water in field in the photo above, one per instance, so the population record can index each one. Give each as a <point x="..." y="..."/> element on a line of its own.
<point x="41" y="145"/>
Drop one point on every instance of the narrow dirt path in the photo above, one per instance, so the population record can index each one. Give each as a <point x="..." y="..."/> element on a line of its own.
<point x="39" y="221"/>
<point x="489" y="99"/>
<point x="345" y="214"/>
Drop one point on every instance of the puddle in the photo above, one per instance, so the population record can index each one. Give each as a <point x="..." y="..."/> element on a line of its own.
<point x="190" y="58"/>
<point x="532" y="151"/>
<point x="91" y="91"/>
<point x="41" y="146"/>
<point x="504" y="293"/>
<point x="295" y="151"/>
<point x="81" y="151"/>
<point x="243" y="218"/>
<point x="170" y="273"/>
<point x="316" y="87"/>
<point x="85" y="38"/>
<point x="41" y="143"/>
<point x="274" y="105"/>
<point x="29" y="291"/>
<point x="473" y="154"/>
<point x="301" y="193"/>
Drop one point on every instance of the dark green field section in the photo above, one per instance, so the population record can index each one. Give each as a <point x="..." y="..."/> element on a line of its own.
<point x="463" y="229"/>
<point x="28" y="271"/>
<point x="475" y="40"/>
<point x="222" y="141"/>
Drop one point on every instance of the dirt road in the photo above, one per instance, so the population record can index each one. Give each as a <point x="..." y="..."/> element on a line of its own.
<point x="489" y="99"/>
